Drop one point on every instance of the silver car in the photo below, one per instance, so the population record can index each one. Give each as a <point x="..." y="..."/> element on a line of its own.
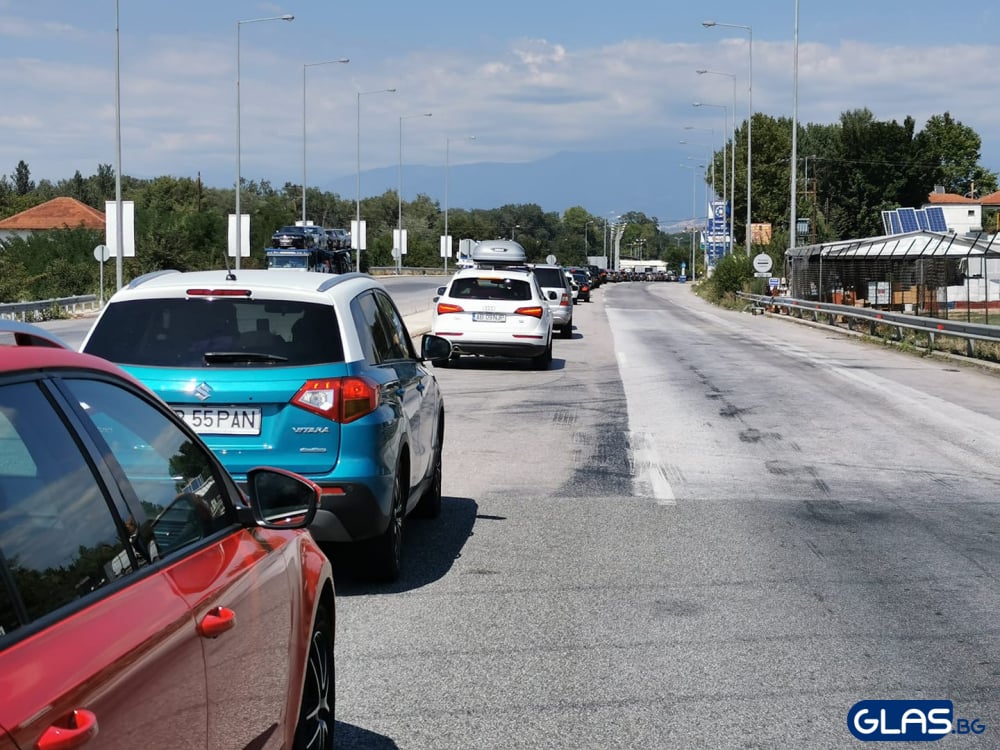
<point x="559" y="295"/>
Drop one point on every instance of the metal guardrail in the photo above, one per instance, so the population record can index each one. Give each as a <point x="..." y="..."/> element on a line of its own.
<point x="25" y="311"/>
<point x="851" y="317"/>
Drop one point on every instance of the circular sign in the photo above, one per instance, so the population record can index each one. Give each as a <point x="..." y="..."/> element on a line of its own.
<point x="101" y="253"/>
<point x="720" y="211"/>
<point x="550" y="259"/>
<point x="762" y="262"/>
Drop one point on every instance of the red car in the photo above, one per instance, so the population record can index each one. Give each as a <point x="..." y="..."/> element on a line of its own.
<point x="145" y="600"/>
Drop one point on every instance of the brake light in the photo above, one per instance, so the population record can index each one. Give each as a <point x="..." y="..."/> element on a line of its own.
<point x="584" y="288"/>
<point x="446" y="307"/>
<point x="564" y="302"/>
<point x="534" y="312"/>
<point x="219" y="293"/>
<point x="341" y="400"/>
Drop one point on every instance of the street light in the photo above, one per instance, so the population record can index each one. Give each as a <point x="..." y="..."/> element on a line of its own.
<point x="447" y="148"/>
<point x="732" y="150"/>
<point x="694" y="211"/>
<point x="516" y="226"/>
<point x="309" y="65"/>
<point x="399" y="190"/>
<point x="586" y="240"/>
<point x="794" y="217"/>
<point x="725" y="127"/>
<point x="239" y="223"/>
<point x="749" y="30"/>
<point x="356" y="235"/>
<point x="708" y="159"/>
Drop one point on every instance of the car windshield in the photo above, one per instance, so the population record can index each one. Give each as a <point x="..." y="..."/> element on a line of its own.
<point x="493" y="288"/>
<point x="181" y="332"/>
<point x="549" y="277"/>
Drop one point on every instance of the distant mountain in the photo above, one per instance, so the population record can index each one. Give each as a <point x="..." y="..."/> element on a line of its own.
<point x="648" y="180"/>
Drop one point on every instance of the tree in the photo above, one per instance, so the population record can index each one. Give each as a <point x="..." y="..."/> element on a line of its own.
<point x="22" y="179"/>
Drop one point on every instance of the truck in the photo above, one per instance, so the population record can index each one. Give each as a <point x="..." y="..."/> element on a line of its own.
<point x="308" y="259"/>
<point x="601" y="261"/>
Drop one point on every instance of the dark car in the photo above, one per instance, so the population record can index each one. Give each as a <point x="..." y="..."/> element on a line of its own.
<point x="583" y="279"/>
<point x="597" y="275"/>
<point x="340" y="239"/>
<point x="293" y="236"/>
<point x="143" y="595"/>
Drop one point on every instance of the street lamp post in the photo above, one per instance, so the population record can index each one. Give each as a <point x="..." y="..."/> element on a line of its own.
<point x="399" y="192"/>
<point x="749" y="30"/>
<point x="732" y="150"/>
<point x="794" y="217"/>
<point x="309" y="65"/>
<point x="356" y="235"/>
<point x="694" y="211"/>
<point x="447" y="164"/>
<point x="239" y="250"/>
<point x="586" y="239"/>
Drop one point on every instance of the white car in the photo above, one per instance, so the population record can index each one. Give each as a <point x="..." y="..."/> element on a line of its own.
<point x="494" y="312"/>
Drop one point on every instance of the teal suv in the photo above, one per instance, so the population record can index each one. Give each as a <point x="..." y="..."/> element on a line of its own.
<point x="309" y="372"/>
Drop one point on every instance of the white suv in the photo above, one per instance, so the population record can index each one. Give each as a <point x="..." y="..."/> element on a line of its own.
<point x="557" y="290"/>
<point x="499" y="312"/>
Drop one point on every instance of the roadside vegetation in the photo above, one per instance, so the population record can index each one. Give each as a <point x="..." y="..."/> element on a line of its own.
<point x="848" y="172"/>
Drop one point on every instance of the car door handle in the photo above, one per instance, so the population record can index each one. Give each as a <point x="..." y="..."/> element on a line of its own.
<point x="217" y="622"/>
<point x="80" y="728"/>
<point x="421" y="387"/>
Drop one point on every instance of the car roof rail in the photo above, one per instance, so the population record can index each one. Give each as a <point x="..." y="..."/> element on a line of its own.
<point x="25" y="334"/>
<point x="140" y="280"/>
<point x="339" y="279"/>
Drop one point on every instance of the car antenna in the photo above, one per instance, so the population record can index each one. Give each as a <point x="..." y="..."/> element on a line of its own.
<point x="230" y="276"/>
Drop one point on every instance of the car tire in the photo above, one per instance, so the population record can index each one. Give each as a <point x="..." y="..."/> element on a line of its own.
<point x="566" y="332"/>
<point x="543" y="360"/>
<point x="314" y="729"/>
<point x="385" y="552"/>
<point x="430" y="502"/>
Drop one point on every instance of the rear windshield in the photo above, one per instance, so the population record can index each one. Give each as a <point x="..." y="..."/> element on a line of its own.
<point x="181" y="332"/>
<point x="491" y="288"/>
<point x="550" y="277"/>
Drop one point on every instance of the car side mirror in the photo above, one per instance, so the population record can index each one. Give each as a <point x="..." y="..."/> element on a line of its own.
<point x="280" y="499"/>
<point x="434" y="347"/>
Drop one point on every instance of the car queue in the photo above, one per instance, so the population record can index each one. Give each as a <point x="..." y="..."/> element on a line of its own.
<point x="215" y="428"/>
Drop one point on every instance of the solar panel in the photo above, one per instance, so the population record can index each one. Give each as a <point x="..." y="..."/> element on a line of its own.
<point x="908" y="219"/>
<point x="922" y="220"/>
<point x="935" y="215"/>
<point x="897" y="226"/>
<point x="886" y="223"/>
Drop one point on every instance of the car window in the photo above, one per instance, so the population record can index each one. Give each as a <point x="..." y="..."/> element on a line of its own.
<point x="379" y="340"/>
<point x="59" y="538"/>
<point x="400" y="345"/>
<point x="491" y="288"/>
<point x="178" y="494"/>
<point x="179" y="332"/>
<point x="550" y="277"/>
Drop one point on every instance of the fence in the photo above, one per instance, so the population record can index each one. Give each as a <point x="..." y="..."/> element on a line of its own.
<point x="40" y="309"/>
<point x="873" y="320"/>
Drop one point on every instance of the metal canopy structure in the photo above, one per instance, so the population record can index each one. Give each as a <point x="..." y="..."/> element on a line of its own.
<point x="925" y="272"/>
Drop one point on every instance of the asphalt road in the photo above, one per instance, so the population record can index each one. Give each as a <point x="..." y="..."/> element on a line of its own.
<point x="699" y="529"/>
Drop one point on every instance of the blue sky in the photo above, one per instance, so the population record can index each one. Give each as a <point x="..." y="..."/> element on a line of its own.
<point x="528" y="79"/>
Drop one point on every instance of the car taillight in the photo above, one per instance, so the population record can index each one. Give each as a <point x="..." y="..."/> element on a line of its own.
<point x="342" y="400"/>
<point x="534" y="312"/>
<point x="447" y="307"/>
<point x="564" y="302"/>
<point x="219" y="293"/>
<point x="584" y="288"/>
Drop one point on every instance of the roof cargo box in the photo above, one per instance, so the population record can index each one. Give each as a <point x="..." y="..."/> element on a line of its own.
<point x="499" y="253"/>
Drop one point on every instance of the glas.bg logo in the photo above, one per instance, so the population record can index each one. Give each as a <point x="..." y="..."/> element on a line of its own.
<point x="908" y="721"/>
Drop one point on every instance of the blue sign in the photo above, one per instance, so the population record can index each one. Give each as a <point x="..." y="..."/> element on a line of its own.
<point x="908" y="721"/>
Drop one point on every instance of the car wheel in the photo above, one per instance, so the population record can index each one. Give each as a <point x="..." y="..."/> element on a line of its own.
<point x="430" y="503"/>
<point x="386" y="550"/>
<point x="543" y="360"/>
<point x="566" y="331"/>
<point x="314" y="730"/>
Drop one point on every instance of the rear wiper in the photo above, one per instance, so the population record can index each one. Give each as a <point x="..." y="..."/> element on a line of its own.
<point x="233" y="357"/>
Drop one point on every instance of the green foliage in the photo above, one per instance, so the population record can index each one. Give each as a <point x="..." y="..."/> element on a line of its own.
<point x="733" y="273"/>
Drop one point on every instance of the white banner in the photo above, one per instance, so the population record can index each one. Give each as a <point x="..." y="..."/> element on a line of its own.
<point x="128" y="228"/>
<point x="445" y="245"/>
<point x="244" y="235"/>
<point x="359" y="235"/>
<point x="398" y="242"/>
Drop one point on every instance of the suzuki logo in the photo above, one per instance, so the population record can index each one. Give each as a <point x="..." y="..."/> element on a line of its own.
<point x="203" y="391"/>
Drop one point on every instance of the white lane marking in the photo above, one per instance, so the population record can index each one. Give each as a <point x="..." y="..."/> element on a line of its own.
<point x="647" y="468"/>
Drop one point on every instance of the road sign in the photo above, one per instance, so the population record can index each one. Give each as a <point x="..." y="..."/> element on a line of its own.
<point x="762" y="262"/>
<point x="550" y="259"/>
<point x="101" y="253"/>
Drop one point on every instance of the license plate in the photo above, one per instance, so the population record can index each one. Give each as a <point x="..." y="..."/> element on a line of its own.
<point x="489" y="317"/>
<point x="221" y="420"/>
